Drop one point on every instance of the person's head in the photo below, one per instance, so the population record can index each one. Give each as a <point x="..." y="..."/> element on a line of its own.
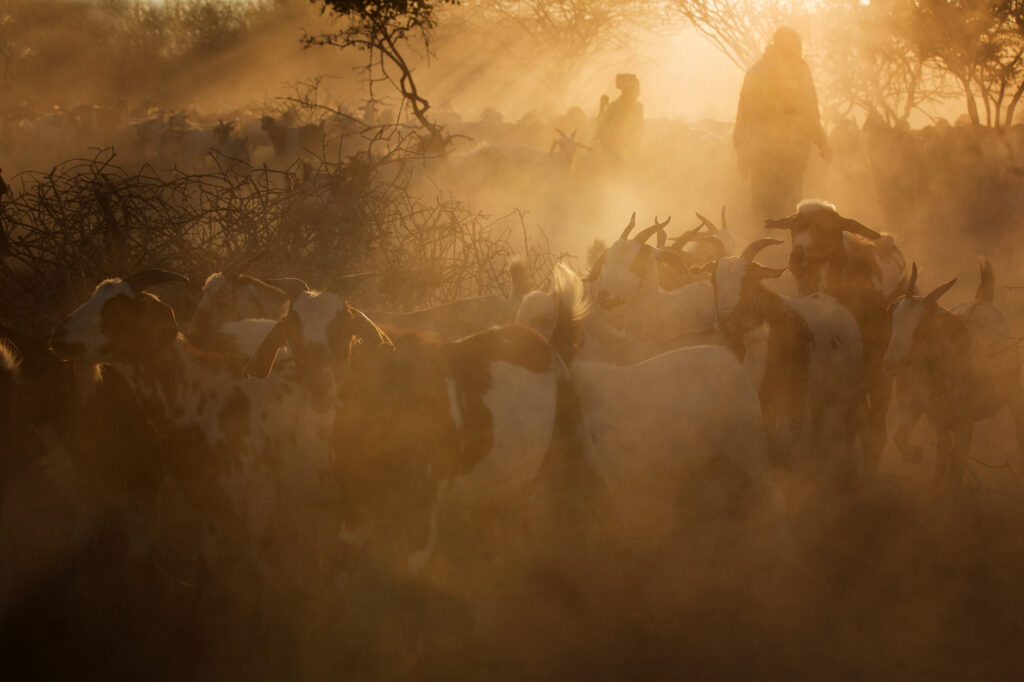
<point x="787" y="43"/>
<point x="629" y="84"/>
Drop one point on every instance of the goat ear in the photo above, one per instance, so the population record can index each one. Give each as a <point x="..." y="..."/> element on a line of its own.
<point x="852" y="226"/>
<point x="787" y="223"/>
<point x="346" y="284"/>
<point x="367" y="330"/>
<point x="596" y="270"/>
<point x="936" y="294"/>
<point x="262" y="361"/>
<point x="291" y="286"/>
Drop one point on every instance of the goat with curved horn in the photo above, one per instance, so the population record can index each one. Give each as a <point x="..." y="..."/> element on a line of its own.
<point x="629" y="228"/>
<point x="646" y="233"/>
<point x="705" y="221"/>
<point x="686" y="237"/>
<point x="754" y="248"/>
<point x="142" y="280"/>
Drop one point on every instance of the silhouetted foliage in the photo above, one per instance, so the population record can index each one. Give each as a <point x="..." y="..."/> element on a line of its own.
<point x="383" y="30"/>
<point x="64" y="230"/>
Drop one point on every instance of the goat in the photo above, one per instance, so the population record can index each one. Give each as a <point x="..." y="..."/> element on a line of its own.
<point x="248" y="453"/>
<point x="487" y="428"/>
<point x="863" y="270"/>
<point x="230" y="296"/>
<point x="625" y="283"/>
<point x="291" y="143"/>
<point x="698" y="248"/>
<point x="234" y="148"/>
<point x="565" y="147"/>
<point x="811" y="375"/>
<point x="687" y="408"/>
<point x="962" y="362"/>
<point x="231" y="314"/>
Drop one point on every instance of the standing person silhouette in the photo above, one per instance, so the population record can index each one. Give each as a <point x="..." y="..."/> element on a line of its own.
<point x="620" y="124"/>
<point x="776" y="123"/>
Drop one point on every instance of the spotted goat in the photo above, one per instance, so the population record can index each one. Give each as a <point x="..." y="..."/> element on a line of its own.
<point x="250" y="456"/>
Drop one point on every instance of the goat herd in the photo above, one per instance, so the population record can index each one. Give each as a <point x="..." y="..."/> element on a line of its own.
<point x="447" y="445"/>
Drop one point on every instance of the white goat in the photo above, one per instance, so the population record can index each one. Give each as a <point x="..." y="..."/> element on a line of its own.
<point x="625" y="285"/>
<point x="962" y="366"/>
<point x="812" y="373"/>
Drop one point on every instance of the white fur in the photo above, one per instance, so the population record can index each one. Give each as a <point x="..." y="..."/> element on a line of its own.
<point x="636" y="304"/>
<point x="522" y="406"/>
<point x="656" y="422"/>
<point x="905" y="319"/>
<point x="84" y="324"/>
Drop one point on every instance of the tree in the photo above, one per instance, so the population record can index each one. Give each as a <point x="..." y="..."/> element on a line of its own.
<point x="740" y="28"/>
<point x="384" y="29"/>
<point x="868" y="60"/>
<point x="863" y="55"/>
<point x="981" y="46"/>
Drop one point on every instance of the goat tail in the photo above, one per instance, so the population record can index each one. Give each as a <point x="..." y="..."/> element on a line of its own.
<point x="571" y="307"/>
<point x="987" y="286"/>
<point x="519" y="273"/>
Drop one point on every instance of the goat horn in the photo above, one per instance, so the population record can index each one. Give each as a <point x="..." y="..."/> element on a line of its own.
<point x="705" y="221"/>
<point x="140" y="281"/>
<point x="913" y="280"/>
<point x="646" y="233"/>
<point x="933" y="297"/>
<point x="754" y="248"/>
<point x="343" y="286"/>
<point x="233" y="270"/>
<point x="686" y="237"/>
<point x="629" y="228"/>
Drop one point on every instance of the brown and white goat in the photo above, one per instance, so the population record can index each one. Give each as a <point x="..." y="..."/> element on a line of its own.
<point x="487" y="429"/>
<point x="863" y="270"/>
<point x="250" y="455"/>
<point x="962" y="364"/>
<point x="808" y="371"/>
